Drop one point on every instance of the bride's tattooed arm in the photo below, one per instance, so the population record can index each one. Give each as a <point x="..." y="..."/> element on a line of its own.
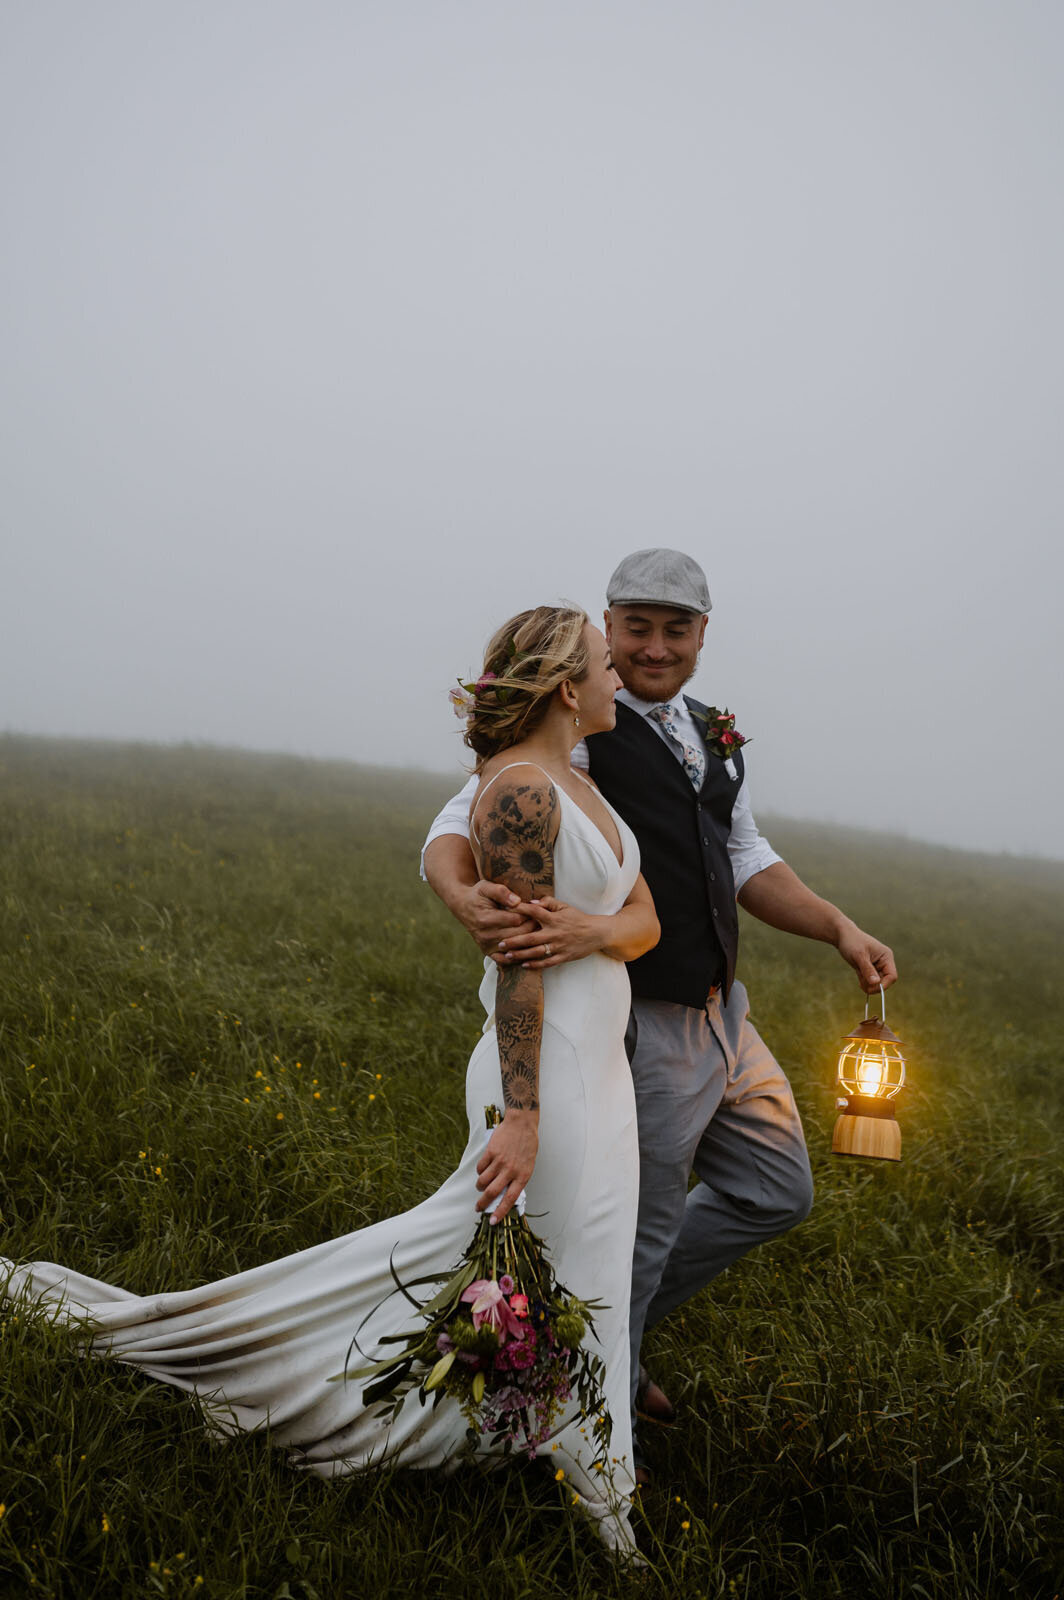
<point x="516" y="827"/>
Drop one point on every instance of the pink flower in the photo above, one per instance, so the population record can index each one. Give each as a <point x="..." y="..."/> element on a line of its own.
<point x="488" y="1305"/>
<point x="506" y="1283"/>
<point x="483" y="681"/>
<point x="518" y="1303"/>
<point x="522" y="1352"/>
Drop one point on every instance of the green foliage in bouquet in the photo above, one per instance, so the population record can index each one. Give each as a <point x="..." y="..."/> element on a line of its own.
<point x="502" y="1338"/>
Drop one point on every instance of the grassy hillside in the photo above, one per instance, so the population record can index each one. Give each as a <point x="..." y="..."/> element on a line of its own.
<point x="234" y="1023"/>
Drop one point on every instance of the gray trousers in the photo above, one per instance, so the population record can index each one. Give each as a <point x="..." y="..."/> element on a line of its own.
<point x="710" y="1099"/>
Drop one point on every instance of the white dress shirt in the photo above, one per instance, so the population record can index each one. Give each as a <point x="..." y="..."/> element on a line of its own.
<point x="748" y="852"/>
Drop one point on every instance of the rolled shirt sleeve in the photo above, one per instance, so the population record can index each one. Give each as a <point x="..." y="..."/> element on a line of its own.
<point x="748" y="852"/>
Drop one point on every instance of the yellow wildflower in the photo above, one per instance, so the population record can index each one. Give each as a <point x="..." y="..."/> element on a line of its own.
<point x="685" y="1526"/>
<point x="280" y="1116"/>
<point x="105" y="1524"/>
<point x="559" y="1475"/>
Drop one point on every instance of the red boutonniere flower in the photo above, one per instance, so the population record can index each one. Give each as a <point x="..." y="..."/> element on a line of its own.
<point x="721" y="735"/>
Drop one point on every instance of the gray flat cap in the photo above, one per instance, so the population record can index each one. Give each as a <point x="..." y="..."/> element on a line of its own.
<point x="659" y="578"/>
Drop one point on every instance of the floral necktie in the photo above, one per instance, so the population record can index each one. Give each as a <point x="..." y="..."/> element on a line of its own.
<point x="694" y="757"/>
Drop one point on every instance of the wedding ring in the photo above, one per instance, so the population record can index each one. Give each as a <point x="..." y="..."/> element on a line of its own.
<point x="546" y="948"/>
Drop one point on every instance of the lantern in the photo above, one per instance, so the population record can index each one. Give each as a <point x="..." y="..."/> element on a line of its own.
<point x="871" y="1073"/>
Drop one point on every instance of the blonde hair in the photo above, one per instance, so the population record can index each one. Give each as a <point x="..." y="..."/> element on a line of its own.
<point x="526" y="660"/>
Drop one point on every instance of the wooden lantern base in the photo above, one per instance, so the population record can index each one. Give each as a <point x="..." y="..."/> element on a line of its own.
<point x="854" y="1135"/>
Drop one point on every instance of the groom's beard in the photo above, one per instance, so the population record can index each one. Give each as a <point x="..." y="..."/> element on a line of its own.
<point x="657" y="686"/>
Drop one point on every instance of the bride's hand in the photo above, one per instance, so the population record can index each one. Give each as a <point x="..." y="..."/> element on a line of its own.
<point x="508" y="1162"/>
<point x="564" y="934"/>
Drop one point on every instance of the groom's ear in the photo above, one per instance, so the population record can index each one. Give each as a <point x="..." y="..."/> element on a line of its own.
<point x="607" y="624"/>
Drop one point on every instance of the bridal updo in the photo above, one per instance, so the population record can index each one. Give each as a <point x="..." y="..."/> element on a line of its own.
<point x="527" y="659"/>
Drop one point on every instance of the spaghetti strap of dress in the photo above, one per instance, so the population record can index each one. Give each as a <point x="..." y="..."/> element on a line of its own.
<point x="508" y="768"/>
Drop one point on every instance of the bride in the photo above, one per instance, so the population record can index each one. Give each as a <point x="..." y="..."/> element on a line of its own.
<point x="260" y="1348"/>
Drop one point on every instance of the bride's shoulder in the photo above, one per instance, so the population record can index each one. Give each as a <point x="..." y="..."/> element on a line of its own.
<point x="515" y="791"/>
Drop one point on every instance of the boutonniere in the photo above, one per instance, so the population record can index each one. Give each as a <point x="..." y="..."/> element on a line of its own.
<point x="721" y="735"/>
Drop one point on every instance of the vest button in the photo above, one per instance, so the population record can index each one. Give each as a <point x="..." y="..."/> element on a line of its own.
<point x="716" y="913"/>
<point x="713" y="877"/>
<point x="704" y="839"/>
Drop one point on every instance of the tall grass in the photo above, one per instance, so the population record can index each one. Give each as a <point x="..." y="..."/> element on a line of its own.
<point x="234" y="1023"/>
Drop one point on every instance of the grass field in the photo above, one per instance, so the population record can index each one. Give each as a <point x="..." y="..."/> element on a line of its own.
<point x="870" y="1406"/>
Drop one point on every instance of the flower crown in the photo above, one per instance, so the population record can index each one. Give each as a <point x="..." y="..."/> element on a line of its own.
<point x="469" y="697"/>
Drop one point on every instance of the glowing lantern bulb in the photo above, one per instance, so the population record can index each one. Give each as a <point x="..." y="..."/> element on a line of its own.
<point x="871" y="1072"/>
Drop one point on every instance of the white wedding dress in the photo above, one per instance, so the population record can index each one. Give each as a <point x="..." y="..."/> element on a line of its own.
<point x="259" y="1348"/>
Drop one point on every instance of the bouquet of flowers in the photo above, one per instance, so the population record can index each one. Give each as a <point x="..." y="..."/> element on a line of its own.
<point x="502" y="1338"/>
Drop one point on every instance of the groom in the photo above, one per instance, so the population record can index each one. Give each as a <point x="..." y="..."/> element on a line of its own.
<point x="710" y="1098"/>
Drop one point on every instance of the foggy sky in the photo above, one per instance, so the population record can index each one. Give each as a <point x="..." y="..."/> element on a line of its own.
<point x="334" y="333"/>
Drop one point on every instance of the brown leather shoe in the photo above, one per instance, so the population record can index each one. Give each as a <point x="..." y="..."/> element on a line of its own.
<point x="652" y="1404"/>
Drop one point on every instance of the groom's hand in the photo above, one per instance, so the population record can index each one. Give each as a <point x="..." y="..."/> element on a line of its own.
<point x="872" y="961"/>
<point x="485" y="910"/>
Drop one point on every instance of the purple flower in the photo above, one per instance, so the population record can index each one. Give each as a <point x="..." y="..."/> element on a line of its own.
<point x="522" y="1352"/>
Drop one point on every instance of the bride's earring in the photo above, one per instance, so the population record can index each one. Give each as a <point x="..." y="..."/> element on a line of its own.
<point x="576" y="720"/>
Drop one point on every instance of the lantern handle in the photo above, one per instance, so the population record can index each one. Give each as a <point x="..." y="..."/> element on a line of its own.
<point x="882" y="1005"/>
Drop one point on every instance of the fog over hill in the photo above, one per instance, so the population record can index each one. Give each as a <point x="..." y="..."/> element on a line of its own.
<point x="335" y="334"/>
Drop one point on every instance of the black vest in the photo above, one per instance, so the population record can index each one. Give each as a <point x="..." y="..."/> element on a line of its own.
<point x="683" y="842"/>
